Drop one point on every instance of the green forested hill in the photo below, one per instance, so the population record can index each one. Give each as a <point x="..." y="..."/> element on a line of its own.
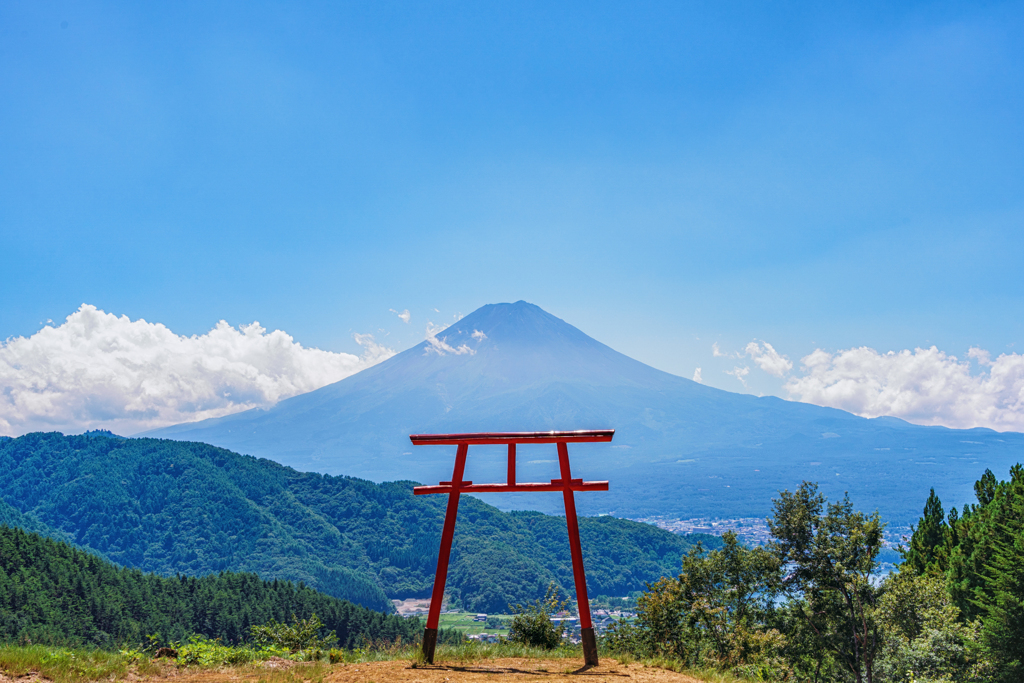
<point x="12" y="517"/>
<point x="170" y="507"/>
<point x="51" y="592"/>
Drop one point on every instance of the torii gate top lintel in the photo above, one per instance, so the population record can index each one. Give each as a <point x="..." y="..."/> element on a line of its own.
<point x="566" y="484"/>
<point x="463" y="441"/>
<point x="502" y="438"/>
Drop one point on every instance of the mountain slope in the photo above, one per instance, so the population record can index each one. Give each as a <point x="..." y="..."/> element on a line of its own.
<point x="53" y="593"/>
<point x="681" y="449"/>
<point x="178" y="507"/>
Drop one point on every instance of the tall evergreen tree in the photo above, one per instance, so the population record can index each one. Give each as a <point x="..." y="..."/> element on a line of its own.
<point x="985" y="488"/>
<point x="927" y="544"/>
<point x="980" y="556"/>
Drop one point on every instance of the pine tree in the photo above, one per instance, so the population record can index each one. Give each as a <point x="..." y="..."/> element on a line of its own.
<point x="927" y="551"/>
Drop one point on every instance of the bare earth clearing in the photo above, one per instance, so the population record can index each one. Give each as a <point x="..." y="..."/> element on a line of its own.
<point x="402" y="671"/>
<point x="553" y="670"/>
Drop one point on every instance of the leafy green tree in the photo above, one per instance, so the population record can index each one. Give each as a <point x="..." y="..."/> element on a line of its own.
<point x="802" y="650"/>
<point x="302" y="635"/>
<point x="924" y="635"/>
<point x="532" y="625"/>
<point x="714" y="613"/>
<point x="830" y="553"/>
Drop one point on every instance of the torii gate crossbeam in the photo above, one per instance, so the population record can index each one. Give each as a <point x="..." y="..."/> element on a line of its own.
<point x="567" y="485"/>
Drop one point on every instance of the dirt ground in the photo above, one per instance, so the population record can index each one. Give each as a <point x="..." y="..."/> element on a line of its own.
<point x="506" y="670"/>
<point x="402" y="671"/>
<point x="484" y="671"/>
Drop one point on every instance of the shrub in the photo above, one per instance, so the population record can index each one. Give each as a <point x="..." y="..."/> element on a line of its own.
<point x="199" y="650"/>
<point x="301" y="635"/>
<point x="925" y="634"/>
<point x="532" y="625"/>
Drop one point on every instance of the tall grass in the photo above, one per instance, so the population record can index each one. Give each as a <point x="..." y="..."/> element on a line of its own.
<point x="466" y="652"/>
<point x="709" y="675"/>
<point x="306" y="672"/>
<point x="471" y="652"/>
<point x="65" y="665"/>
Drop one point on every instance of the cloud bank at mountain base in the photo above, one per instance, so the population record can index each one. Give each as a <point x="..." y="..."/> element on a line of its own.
<point x="99" y="370"/>
<point x="923" y="386"/>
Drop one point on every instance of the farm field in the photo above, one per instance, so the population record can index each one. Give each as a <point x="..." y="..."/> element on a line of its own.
<point x="464" y="621"/>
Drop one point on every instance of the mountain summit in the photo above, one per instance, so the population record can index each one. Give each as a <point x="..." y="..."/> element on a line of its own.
<point x="507" y="347"/>
<point x="681" y="449"/>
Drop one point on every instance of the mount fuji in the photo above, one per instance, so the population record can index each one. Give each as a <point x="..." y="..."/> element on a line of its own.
<point x="681" y="449"/>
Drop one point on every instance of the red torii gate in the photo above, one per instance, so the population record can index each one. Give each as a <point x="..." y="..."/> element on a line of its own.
<point x="566" y="485"/>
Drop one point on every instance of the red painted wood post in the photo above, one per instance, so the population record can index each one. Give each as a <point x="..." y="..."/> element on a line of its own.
<point x="576" y="552"/>
<point x="444" y="554"/>
<point x="567" y="485"/>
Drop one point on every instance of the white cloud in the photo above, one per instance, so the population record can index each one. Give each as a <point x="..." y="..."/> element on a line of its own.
<point x="740" y="374"/>
<point x="697" y="377"/>
<point x="404" y="316"/>
<point x="478" y="335"/>
<point x="100" y="370"/>
<point x="717" y="352"/>
<point x="768" y="359"/>
<point x="433" y="330"/>
<point x="982" y="356"/>
<point x="440" y="346"/>
<point x="925" y="386"/>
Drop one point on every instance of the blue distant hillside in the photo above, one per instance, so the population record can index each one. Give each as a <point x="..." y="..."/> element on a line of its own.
<point x="681" y="449"/>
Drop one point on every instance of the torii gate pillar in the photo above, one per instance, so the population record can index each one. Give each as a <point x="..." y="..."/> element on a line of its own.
<point x="567" y="485"/>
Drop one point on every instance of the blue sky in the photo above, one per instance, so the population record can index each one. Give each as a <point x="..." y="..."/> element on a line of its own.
<point x="662" y="175"/>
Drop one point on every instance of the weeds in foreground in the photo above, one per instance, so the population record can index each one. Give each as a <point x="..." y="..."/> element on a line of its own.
<point x="302" y="635"/>
<point x="307" y="672"/>
<point x="203" y="652"/>
<point x="65" y="665"/>
<point x="472" y="652"/>
<point x="709" y="675"/>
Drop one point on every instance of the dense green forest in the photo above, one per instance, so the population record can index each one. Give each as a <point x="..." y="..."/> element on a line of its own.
<point x="191" y="508"/>
<point x="812" y="606"/>
<point x="53" y="593"/>
<point x="11" y="517"/>
<point x="978" y="555"/>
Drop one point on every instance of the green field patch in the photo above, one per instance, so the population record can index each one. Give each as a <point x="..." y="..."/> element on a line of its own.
<point x="465" y="622"/>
